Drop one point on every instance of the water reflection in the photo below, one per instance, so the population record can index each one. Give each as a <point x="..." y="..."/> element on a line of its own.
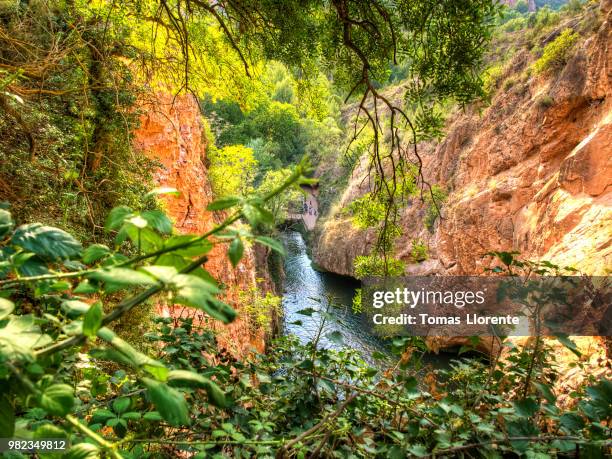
<point x="307" y="288"/>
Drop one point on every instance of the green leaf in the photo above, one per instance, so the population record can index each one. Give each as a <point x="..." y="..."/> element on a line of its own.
<point x="112" y="355"/>
<point x="21" y="335"/>
<point x="85" y="287"/>
<point x="546" y="392"/>
<point x="7" y="420"/>
<point x="94" y="253"/>
<point x="121" y="405"/>
<point x="46" y="241"/>
<point x="191" y="379"/>
<point x="196" y="292"/>
<point x="93" y="320"/>
<point x="134" y="357"/>
<point x="158" y="220"/>
<point x="272" y="243"/>
<point x="6" y="307"/>
<point x="307" y="311"/>
<point x="252" y="214"/>
<point x="335" y="337"/>
<point x="146" y="238"/>
<point x="163" y="273"/>
<point x="223" y="203"/>
<point x="522" y="427"/>
<point x="122" y="276"/>
<point x="152" y="416"/>
<point x="196" y="248"/>
<point x="101" y="416"/>
<point x="163" y="190"/>
<point x="75" y="308"/>
<point x="83" y="451"/>
<point x="116" y="217"/>
<point x="526" y="408"/>
<point x="170" y="403"/>
<point x="6" y="223"/>
<point x="49" y="431"/>
<point x="235" y="251"/>
<point x="57" y="399"/>
<point x="572" y="422"/>
<point x="568" y="343"/>
<point x="418" y="450"/>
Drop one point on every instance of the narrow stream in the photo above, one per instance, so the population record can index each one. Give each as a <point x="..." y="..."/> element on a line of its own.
<point x="306" y="287"/>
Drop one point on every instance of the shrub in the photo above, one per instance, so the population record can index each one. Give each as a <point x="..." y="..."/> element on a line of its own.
<point x="557" y="52"/>
<point x="545" y="101"/>
<point x="260" y="309"/>
<point x="509" y="83"/>
<point x="420" y="251"/>
<point x="373" y="265"/>
<point x="491" y="78"/>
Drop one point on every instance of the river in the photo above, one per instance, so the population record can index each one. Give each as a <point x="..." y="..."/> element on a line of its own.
<point x="305" y="287"/>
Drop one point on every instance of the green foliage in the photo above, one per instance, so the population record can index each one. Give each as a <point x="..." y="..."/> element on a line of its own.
<point x="66" y="141"/>
<point x="545" y="101"/>
<point x="55" y="385"/>
<point x="276" y="123"/>
<point x="557" y="52"/>
<point x="371" y="265"/>
<point x="367" y="212"/>
<point x="419" y="251"/>
<point x="261" y="310"/>
<point x="39" y="344"/>
<point x="491" y="78"/>
<point x="232" y="170"/>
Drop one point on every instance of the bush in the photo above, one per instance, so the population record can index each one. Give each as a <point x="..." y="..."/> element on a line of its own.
<point x="491" y="78"/>
<point x="557" y="52"/>
<point x="373" y="265"/>
<point x="545" y="101"/>
<point x="420" y="251"/>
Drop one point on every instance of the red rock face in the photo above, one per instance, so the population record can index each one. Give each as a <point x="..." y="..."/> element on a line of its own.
<point x="172" y="133"/>
<point x="531" y="173"/>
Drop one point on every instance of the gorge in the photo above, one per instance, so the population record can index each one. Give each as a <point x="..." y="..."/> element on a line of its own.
<point x="195" y="196"/>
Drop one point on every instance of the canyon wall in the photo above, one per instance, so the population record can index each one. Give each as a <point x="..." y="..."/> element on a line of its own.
<point x="171" y="132"/>
<point x="531" y="173"/>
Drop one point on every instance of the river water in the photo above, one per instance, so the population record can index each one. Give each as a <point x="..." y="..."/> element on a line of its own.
<point x="306" y="287"/>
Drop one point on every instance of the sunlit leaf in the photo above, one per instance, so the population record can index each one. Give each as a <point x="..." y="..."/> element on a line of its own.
<point x="6" y="307"/>
<point x="93" y="320"/>
<point x="223" y="203"/>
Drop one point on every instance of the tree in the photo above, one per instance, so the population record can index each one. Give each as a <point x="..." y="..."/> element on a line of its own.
<point x="232" y="170"/>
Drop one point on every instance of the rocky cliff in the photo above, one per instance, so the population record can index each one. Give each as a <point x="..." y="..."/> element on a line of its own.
<point x="531" y="173"/>
<point x="172" y="133"/>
